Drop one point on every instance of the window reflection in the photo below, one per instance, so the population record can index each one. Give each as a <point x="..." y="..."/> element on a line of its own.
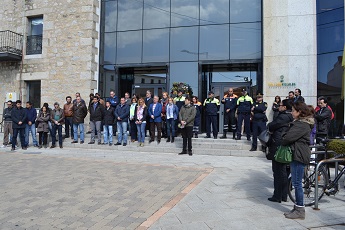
<point x="331" y="37"/>
<point x="156" y="14"/>
<point x="214" y="12"/>
<point x="245" y="11"/>
<point x="328" y="5"/>
<point x="214" y="42"/>
<point x="186" y="72"/>
<point x="129" y="47"/>
<point x="245" y="41"/>
<point x="184" y="13"/>
<point x="329" y="68"/>
<point x="156" y="45"/>
<point x="110" y="8"/>
<point x="184" y="44"/>
<point x="109" y="48"/>
<point x="130" y="15"/>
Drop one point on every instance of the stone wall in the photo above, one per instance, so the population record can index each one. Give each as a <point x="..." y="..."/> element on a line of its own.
<point x="69" y="59"/>
<point x="289" y="48"/>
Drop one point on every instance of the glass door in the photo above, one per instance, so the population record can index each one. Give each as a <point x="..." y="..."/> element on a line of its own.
<point x="222" y="88"/>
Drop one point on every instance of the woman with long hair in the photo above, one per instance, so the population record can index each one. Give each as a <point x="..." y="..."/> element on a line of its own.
<point x="43" y="127"/>
<point x="298" y="137"/>
<point x="275" y="107"/>
<point x="140" y="115"/>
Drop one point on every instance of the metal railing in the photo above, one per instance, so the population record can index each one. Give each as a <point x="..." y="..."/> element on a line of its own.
<point x="11" y="42"/>
<point x="34" y="44"/>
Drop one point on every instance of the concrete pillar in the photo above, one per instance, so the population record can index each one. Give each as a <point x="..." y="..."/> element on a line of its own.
<point x="289" y="49"/>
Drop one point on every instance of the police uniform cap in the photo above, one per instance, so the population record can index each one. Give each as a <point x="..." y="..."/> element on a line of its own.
<point x="210" y="92"/>
<point x="259" y="94"/>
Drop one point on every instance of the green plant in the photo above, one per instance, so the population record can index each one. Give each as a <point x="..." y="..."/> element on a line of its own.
<point x="186" y="89"/>
<point x="337" y="145"/>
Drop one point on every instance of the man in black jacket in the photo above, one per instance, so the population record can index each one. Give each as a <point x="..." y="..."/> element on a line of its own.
<point x="19" y="118"/>
<point x="96" y="116"/>
<point x="323" y="118"/>
<point x="7" y="124"/>
<point x="108" y="121"/>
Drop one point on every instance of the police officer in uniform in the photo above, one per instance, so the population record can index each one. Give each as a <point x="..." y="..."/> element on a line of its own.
<point x="244" y="106"/>
<point x="230" y="103"/>
<point x="259" y="119"/>
<point x="211" y="105"/>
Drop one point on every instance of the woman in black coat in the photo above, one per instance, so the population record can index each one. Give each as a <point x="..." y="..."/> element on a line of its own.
<point x="275" y="107"/>
<point x="278" y="127"/>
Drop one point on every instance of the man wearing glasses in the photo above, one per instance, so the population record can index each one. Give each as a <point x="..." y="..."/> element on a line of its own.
<point x="8" y="125"/>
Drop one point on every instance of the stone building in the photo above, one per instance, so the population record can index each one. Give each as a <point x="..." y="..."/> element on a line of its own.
<point x="59" y="52"/>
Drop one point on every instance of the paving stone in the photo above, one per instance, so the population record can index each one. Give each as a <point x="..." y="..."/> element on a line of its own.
<point x="61" y="192"/>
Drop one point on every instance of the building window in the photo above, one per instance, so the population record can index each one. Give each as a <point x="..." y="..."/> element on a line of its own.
<point x="112" y="78"/>
<point x="152" y="81"/>
<point x="35" y="36"/>
<point x="143" y="80"/>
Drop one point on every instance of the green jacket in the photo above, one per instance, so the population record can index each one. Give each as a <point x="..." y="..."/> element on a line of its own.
<point x="187" y="114"/>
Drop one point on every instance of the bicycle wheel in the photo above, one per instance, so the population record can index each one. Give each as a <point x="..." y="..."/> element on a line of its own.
<point x="308" y="185"/>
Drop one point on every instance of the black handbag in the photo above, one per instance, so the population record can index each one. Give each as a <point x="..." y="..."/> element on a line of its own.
<point x="264" y="137"/>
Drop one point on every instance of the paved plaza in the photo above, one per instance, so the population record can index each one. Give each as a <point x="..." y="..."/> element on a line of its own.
<point x="74" y="188"/>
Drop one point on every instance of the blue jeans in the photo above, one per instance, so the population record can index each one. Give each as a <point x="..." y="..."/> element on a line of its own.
<point x="170" y="127"/>
<point x="122" y="131"/>
<point x="59" y="129"/>
<point x="108" y="133"/>
<point x="141" y="132"/>
<point x="297" y="172"/>
<point x="32" y="129"/>
<point x="81" y="130"/>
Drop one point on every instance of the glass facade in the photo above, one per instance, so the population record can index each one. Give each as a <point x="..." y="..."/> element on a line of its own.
<point x="330" y="46"/>
<point x="181" y="36"/>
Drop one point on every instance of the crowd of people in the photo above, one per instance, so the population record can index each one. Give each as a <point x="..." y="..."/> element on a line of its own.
<point x="295" y="124"/>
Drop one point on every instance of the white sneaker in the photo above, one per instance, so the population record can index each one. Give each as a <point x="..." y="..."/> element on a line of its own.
<point x="3" y="146"/>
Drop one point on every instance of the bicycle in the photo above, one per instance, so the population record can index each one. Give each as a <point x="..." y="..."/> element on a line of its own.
<point x="325" y="184"/>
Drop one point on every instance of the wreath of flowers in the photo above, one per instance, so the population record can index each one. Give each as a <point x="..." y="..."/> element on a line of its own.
<point x="186" y="89"/>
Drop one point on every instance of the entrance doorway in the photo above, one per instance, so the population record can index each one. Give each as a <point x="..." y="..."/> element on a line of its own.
<point x="33" y="90"/>
<point x="220" y="89"/>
